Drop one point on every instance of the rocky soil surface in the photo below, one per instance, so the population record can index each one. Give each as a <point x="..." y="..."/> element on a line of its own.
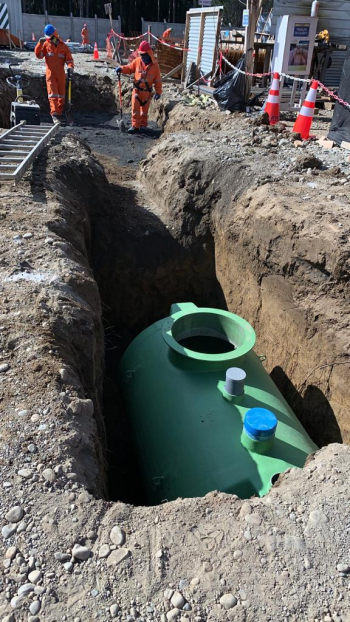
<point x="273" y="222"/>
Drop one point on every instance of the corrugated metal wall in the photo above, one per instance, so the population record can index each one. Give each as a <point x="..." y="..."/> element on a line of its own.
<point x="193" y="39"/>
<point x="202" y="27"/>
<point x="209" y="42"/>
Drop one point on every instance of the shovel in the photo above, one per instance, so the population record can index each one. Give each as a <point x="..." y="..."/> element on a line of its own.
<point x="121" y="123"/>
<point x="69" y="113"/>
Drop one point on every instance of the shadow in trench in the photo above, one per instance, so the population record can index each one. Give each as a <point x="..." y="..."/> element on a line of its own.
<point x="141" y="269"/>
<point x="312" y="409"/>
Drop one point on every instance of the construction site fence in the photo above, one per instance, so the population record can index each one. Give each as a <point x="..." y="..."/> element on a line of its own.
<point x="178" y="30"/>
<point x="68" y="27"/>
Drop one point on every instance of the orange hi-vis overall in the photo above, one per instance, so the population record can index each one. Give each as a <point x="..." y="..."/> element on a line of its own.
<point x="85" y="36"/>
<point x="146" y="76"/>
<point x="167" y="33"/>
<point x="56" y="56"/>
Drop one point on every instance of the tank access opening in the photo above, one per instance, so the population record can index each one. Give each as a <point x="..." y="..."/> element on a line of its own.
<point x="211" y="332"/>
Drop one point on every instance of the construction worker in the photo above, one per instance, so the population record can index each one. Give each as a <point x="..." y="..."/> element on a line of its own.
<point x="167" y="34"/>
<point x="85" y="36"/>
<point x="147" y="75"/>
<point x="56" y="54"/>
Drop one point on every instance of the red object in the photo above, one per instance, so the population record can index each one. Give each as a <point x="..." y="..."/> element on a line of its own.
<point x="167" y="33"/>
<point x="85" y="36"/>
<point x="96" y="54"/>
<point x="56" y="56"/>
<point x="145" y="77"/>
<point x="144" y="47"/>
<point x="306" y="114"/>
<point x="273" y="101"/>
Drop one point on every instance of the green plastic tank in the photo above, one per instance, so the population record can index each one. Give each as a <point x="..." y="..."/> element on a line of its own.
<point x="205" y="414"/>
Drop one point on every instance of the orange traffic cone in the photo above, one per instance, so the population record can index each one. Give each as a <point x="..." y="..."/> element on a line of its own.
<point x="33" y="37"/>
<point x="96" y="54"/>
<point x="305" y="116"/>
<point x="273" y="101"/>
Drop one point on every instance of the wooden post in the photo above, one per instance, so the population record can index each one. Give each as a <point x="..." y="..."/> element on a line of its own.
<point x="71" y="27"/>
<point x="184" y="58"/>
<point x="217" y="40"/>
<point x="200" y="43"/>
<point x="266" y="64"/>
<point x="253" y="8"/>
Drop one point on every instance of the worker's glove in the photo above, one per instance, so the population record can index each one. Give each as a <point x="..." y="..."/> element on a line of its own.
<point x="70" y="71"/>
<point x="156" y="97"/>
<point x="42" y="40"/>
<point x="118" y="71"/>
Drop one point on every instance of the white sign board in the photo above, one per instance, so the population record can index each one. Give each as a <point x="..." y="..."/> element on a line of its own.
<point x="294" y="44"/>
<point x="245" y="18"/>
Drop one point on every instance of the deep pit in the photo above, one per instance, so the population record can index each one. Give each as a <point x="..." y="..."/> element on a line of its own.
<point x="149" y="249"/>
<point x="141" y="268"/>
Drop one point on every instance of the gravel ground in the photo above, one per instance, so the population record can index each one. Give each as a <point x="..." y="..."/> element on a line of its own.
<point x="67" y="553"/>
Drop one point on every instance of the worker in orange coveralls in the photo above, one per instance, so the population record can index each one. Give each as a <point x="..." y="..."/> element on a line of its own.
<point x="85" y="36"/>
<point x="56" y="54"/>
<point x="147" y="75"/>
<point x="167" y="34"/>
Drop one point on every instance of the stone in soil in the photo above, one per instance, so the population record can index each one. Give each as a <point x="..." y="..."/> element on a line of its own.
<point x="228" y="601"/>
<point x="117" y="535"/>
<point x="117" y="556"/>
<point x="15" y="514"/>
<point x="81" y="552"/>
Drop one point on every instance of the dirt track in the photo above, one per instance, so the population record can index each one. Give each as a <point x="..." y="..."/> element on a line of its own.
<point x="225" y="216"/>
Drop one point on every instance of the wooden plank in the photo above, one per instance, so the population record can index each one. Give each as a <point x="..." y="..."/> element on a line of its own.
<point x="172" y="72"/>
<point x="184" y="58"/>
<point x="200" y="43"/>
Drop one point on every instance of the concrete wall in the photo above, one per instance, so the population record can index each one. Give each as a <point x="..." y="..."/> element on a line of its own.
<point x="69" y="27"/>
<point x="158" y="28"/>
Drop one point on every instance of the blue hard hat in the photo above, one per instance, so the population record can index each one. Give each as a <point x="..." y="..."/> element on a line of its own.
<point x="49" y="30"/>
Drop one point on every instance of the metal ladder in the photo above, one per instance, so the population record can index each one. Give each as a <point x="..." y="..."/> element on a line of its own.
<point x="19" y="147"/>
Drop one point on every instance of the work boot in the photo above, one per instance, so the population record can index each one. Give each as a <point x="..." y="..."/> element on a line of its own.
<point x="56" y="120"/>
<point x="133" y="130"/>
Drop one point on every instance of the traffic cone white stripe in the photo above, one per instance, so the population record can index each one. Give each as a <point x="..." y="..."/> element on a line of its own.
<point x="273" y="100"/>
<point x="307" y="112"/>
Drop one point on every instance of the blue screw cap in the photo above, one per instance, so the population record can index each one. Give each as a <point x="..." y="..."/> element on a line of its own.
<point x="260" y="424"/>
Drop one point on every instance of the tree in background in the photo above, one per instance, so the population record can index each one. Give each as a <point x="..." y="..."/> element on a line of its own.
<point x="130" y="10"/>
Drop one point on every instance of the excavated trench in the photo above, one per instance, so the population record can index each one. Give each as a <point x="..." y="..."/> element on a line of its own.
<point x="144" y="259"/>
<point x="143" y="262"/>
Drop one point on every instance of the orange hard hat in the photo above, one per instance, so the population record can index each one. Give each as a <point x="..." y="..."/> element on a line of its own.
<point x="144" y="47"/>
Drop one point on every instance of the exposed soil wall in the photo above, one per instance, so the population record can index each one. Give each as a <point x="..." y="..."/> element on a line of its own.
<point x="276" y="265"/>
<point x="90" y="93"/>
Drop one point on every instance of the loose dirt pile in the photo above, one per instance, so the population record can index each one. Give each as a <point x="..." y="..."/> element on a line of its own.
<point x="235" y="217"/>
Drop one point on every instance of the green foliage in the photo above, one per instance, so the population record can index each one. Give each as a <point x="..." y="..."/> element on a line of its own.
<point x="132" y="10"/>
